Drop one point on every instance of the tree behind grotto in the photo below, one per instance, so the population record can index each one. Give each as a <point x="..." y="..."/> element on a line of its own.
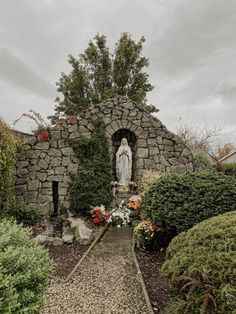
<point x="98" y="75"/>
<point x="91" y="185"/>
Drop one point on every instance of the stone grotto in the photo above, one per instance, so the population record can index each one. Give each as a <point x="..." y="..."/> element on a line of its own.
<point x="43" y="168"/>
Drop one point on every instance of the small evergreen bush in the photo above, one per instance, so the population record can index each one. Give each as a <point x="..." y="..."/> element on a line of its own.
<point x="183" y="200"/>
<point x="227" y="169"/>
<point x="91" y="185"/>
<point x="202" y="268"/>
<point x="28" y="215"/>
<point x="24" y="270"/>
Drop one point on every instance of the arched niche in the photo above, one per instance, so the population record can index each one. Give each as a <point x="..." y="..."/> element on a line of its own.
<point x="116" y="141"/>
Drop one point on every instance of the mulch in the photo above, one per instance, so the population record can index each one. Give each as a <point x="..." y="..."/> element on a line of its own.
<point x="65" y="257"/>
<point x="150" y="265"/>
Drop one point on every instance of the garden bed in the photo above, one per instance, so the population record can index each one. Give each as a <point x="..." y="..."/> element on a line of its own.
<point x="157" y="288"/>
<point x="65" y="257"/>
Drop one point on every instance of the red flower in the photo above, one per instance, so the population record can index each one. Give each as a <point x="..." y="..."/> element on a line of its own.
<point x="71" y="120"/>
<point x="43" y="136"/>
<point x="106" y="218"/>
<point x="97" y="212"/>
<point x="96" y="221"/>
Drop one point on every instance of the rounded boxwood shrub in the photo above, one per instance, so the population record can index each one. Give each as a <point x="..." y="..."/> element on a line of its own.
<point x="24" y="270"/>
<point x="183" y="200"/>
<point x="202" y="268"/>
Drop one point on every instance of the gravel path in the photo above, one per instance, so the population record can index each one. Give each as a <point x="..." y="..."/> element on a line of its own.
<point x="106" y="283"/>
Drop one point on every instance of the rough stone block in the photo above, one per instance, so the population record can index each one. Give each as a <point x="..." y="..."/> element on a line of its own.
<point x="64" y="134"/>
<point x="42" y="176"/>
<point x="55" y="135"/>
<point x="55" y="162"/>
<point x="42" y="145"/>
<point x="22" y="164"/>
<point x="30" y="197"/>
<point x="72" y="128"/>
<point x="54" y="152"/>
<point x="153" y="151"/>
<point x="20" y="189"/>
<point x="42" y="164"/>
<point x="22" y="172"/>
<point x="67" y="151"/>
<point x="33" y="185"/>
<point x="142" y="152"/>
<point x="59" y="170"/>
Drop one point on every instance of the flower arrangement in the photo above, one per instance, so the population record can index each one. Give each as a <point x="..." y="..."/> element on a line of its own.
<point x="134" y="202"/>
<point x="144" y="234"/>
<point x="99" y="216"/>
<point x="121" y="216"/>
<point x="134" y="205"/>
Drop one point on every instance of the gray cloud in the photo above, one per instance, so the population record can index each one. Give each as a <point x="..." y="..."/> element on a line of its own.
<point x="21" y="75"/>
<point x="190" y="44"/>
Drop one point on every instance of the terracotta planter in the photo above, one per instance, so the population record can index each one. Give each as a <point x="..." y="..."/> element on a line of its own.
<point x="43" y="136"/>
<point x="71" y="120"/>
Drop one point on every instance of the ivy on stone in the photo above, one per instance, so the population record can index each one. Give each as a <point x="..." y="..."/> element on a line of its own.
<point x="91" y="185"/>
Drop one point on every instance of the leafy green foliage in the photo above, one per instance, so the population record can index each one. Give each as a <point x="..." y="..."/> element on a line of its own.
<point x="24" y="270"/>
<point x="91" y="185"/>
<point x="9" y="143"/>
<point x="227" y="169"/>
<point x="97" y="75"/>
<point x="202" y="159"/>
<point x="182" y="200"/>
<point x="202" y="268"/>
<point x="25" y="214"/>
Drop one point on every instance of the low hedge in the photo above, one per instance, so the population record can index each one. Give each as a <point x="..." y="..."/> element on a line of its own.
<point x="25" y="214"/>
<point x="202" y="268"/>
<point x="227" y="169"/>
<point x="24" y="270"/>
<point x="183" y="200"/>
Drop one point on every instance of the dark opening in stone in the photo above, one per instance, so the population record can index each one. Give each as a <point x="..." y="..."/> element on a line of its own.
<point x="55" y="196"/>
<point x="116" y="141"/>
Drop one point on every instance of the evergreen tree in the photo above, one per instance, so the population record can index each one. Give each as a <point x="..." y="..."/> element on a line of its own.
<point x="91" y="185"/>
<point x="97" y="75"/>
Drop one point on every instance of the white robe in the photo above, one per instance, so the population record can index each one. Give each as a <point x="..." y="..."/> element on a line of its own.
<point x="123" y="164"/>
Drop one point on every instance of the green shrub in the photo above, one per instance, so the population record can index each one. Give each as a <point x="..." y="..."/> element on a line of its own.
<point x="25" y="214"/>
<point x="183" y="200"/>
<point x="24" y="270"/>
<point x="201" y="159"/>
<point x="9" y="144"/>
<point x="227" y="169"/>
<point x="202" y="268"/>
<point x="91" y="185"/>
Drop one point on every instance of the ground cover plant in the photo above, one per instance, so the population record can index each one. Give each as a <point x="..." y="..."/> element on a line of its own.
<point x="24" y="270"/>
<point x="28" y="215"/>
<point x="202" y="268"/>
<point x="182" y="200"/>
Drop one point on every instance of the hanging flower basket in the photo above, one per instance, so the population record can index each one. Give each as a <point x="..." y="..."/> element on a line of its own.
<point x="43" y="136"/>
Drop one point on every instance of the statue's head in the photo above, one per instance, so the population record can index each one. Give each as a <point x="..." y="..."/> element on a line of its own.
<point x="124" y="141"/>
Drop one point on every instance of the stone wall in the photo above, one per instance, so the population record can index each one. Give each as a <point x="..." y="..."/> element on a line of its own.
<point x="42" y="163"/>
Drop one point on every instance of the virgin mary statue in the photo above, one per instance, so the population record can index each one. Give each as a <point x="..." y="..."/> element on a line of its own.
<point x="124" y="163"/>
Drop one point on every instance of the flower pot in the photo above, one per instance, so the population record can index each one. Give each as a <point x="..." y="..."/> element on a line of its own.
<point x="43" y="136"/>
<point x="71" y="120"/>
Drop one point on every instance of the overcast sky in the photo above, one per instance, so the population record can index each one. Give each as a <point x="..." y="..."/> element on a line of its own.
<point x="190" y="44"/>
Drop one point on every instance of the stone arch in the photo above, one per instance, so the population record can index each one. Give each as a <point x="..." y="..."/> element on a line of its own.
<point x="116" y="141"/>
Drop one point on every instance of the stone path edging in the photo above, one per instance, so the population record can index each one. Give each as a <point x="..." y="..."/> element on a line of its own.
<point x="142" y="282"/>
